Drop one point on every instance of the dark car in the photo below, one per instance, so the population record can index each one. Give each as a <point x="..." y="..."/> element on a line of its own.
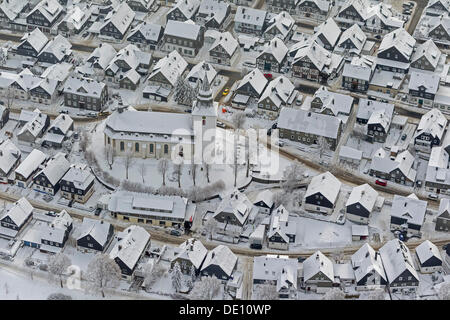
<point x="274" y="126"/>
<point x="256" y="246"/>
<point x="269" y="132"/>
<point x="404" y="137"/>
<point x="301" y="259"/>
<point x="175" y="232"/>
<point x="378" y="37"/>
<point x="97" y="211"/>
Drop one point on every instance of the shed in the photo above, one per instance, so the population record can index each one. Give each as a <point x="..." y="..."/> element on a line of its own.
<point x="359" y="232"/>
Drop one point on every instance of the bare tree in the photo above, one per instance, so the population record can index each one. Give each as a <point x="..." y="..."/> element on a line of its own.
<point x="103" y="272"/>
<point x="207" y="170"/>
<point x="193" y="169"/>
<point x="143" y="170"/>
<point x="266" y="291"/>
<point x="238" y="119"/>
<point x="10" y="97"/>
<point x="324" y="145"/>
<point x="334" y="294"/>
<point x="109" y="155"/>
<point x="84" y="140"/>
<point x="163" y="166"/>
<point x="207" y="288"/>
<point x="210" y="227"/>
<point x="58" y="264"/>
<point x="281" y="198"/>
<point x="128" y="161"/>
<point x="152" y="274"/>
<point x="177" y="171"/>
<point x="292" y="175"/>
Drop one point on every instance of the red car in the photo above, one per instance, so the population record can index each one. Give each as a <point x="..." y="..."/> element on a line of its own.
<point x="268" y="76"/>
<point x="381" y="182"/>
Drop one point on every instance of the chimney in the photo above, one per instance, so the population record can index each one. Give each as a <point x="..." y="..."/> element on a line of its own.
<point x="119" y="247"/>
<point x="212" y="255"/>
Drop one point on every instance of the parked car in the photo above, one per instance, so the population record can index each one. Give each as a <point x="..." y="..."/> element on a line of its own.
<point x="269" y="131"/>
<point x="175" y="232"/>
<point x="433" y="196"/>
<point x="404" y="137"/>
<point x="274" y="126"/>
<point x="250" y="64"/>
<point x="299" y="100"/>
<point x="220" y="124"/>
<point x="64" y="111"/>
<point x="340" y="219"/>
<point x="256" y="246"/>
<point x="380" y="182"/>
<point x="301" y="259"/>
<point x="268" y="76"/>
<point x="226" y="91"/>
<point x="280" y="143"/>
<point x="97" y="211"/>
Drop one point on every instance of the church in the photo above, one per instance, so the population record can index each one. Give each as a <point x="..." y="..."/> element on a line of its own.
<point x="158" y="135"/>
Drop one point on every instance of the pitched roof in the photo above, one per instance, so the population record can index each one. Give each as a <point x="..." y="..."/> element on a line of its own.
<point x="236" y="203"/>
<point x="9" y="155"/>
<point x="401" y="40"/>
<point x="430" y="51"/>
<point x="426" y="250"/>
<point x="192" y="250"/>
<point x="80" y="175"/>
<point x="283" y="22"/>
<point x="227" y="42"/>
<point x="366" y="260"/>
<point x="37" y="39"/>
<point x="19" y="212"/>
<point x="250" y="16"/>
<point x="59" y="47"/>
<point x="256" y="79"/>
<point x="365" y="195"/>
<point x="150" y="31"/>
<point x="413" y="210"/>
<point x="433" y="122"/>
<point x="430" y="81"/>
<point x="222" y="257"/>
<point x="131" y="245"/>
<point x="279" y="91"/>
<point x="31" y="163"/>
<point x="121" y="17"/>
<point x="50" y="9"/>
<point x="327" y="184"/>
<point x="276" y="48"/>
<point x="329" y="30"/>
<point x="102" y="55"/>
<point x="181" y="29"/>
<point x="97" y="229"/>
<point x="171" y="67"/>
<point x="84" y="86"/>
<point x="316" y="263"/>
<point x="187" y="7"/>
<point x="396" y="259"/>
<point x="55" y="168"/>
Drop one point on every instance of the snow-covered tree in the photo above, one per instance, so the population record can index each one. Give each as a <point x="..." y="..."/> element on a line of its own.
<point x="142" y="170"/>
<point x="266" y="291"/>
<point x="193" y="169"/>
<point x="192" y="274"/>
<point x="177" y="171"/>
<point x="58" y="264"/>
<point x="334" y="294"/>
<point x="281" y="198"/>
<point x="103" y="272"/>
<point x="207" y="288"/>
<point x="292" y="176"/>
<point x="184" y="93"/>
<point x="128" y="161"/>
<point x="175" y="277"/>
<point x="163" y="166"/>
<point x="109" y="155"/>
<point x="152" y="273"/>
<point x="324" y="145"/>
<point x="444" y="291"/>
<point x="238" y="120"/>
<point x="210" y="227"/>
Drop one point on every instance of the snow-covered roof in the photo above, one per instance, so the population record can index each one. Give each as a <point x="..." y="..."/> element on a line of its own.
<point x="198" y="72"/>
<point x="430" y="51"/>
<point x="283" y="22"/>
<point x="250" y="16"/>
<point x="236" y="203"/>
<point x="337" y="103"/>
<point x="171" y="67"/>
<point x="323" y="5"/>
<point x="309" y="122"/>
<point x="187" y="7"/>
<point x="279" y="91"/>
<point x="37" y="39"/>
<point x="84" y="87"/>
<point x="365" y="195"/>
<point x="270" y="268"/>
<point x="55" y="168"/>
<point x="328" y="30"/>
<point x="222" y="257"/>
<point x="227" y="42"/>
<point x="63" y="122"/>
<point x="102" y="55"/>
<point x="50" y="9"/>
<point x="132" y="56"/>
<point x="31" y="163"/>
<point x="266" y="197"/>
<point x="360" y="230"/>
<point x="355" y="35"/>
<point x="397" y="259"/>
<point x="350" y="153"/>
<point x="131" y="245"/>
<point x="427" y="250"/>
<point x="367" y="107"/>
<point x="19" y="212"/>
<point x="77" y="15"/>
<point x="97" y="229"/>
<point x="150" y="31"/>
<point x="58" y="71"/>
<point x="429" y="81"/>
<point x="327" y="184"/>
<point x="275" y="48"/>
<point x="80" y="175"/>
<point x="316" y="263"/>
<point x="401" y="40"/>
<point x="181" y="29"/>
<point x="433" y="123"/>
<point x="214" y="9"/>
<point x="192" y="250"/>
<point x="324" y="60"/>
<point x="12" y="8"/>
<point x="9" y="155"/>
<point x="413" y="210"/>
<point x="366" y="260"/>
<point x="60" y="47"/>
<point x="35" y="125"/>
<point x="256" y="79"/>
<point x="121" y="17"/>
<point x="380" y="117"/>
<point x="438" y="158"/>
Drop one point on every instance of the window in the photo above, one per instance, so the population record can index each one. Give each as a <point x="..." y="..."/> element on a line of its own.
<point x="151" y="148"/>
<point x="136" y="147"/>
<point x="166" y="149"/>
<point x="122" y="146"/>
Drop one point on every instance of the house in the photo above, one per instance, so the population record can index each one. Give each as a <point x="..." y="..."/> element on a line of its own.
<point x="351" y="42"/>
<point x="360" y="232"/>
<point x="378" y="126"/>
<point x="15" y="218"/>
<point x="60" y="128"/>
<point x="167" y="70"/>
<point x="437" y="179"/>
<point x="117" y="22"/>
<point x="252" y="84"/>
<point x="95" y="235"/>
<point x="170" y="211"/>
<point x="213" y="14"/>
<point x="44" y="15"/>
<point x="331" y="103"/>
<point x="78" y="183"/>
<point x="131" y="245"/>
<point x="361" y="203"/>
<point x="234" y="209"/>
<point x="183" y="10"/>
<point x="399" y="266"/>
<point x="318" y="273"/>
<point x="430" y="131"/>
<point x="185" y="37"/>
<point x="309" y="127"/>
<point x="4" y="115"/>
<point x="422" y="88"/>
<point x="443" y="218"/>
<point x="279" y="93"/>
<point x="59" y="72"/>
<point x="313" y="62"/>
<point x="280" y="26"/>
<point x="429" y="257"/>
<point x="439" y="29"/>
<point x="264" y="202"/>
<point x="437" y="7"/>
<point x="9" y="159"/>
<point x="400" y="169"/>
<point x="157" y="93"/>
<point x="77" y="18"/>
<point x="146" y="35"/>
<point x="48" y="179"/>
<point x="32" y="43"/>
<point x="368" y="107"/>
<point x="101" y="56"/>
<point x="322" y="193"/>
<point x="327" y="34"/>
<point x="141" y="5"/>
<point x="28" y="168"/>
<point x="50" y="232"/>
<point x="85" y="93"/>
<point x="281" y="271"/>
<point x="368" y="269"/>
<point x="313" y="9"/>
<point x="249" y="20"/>
<point x="357" y="74"/>
<point x="220" y="262"/>
<point x="273" y="56"/>
<point x="34" y="128"/>
<point x="350" y="155"/>
<point x="427" y="56"/>
<point x="224" y="49"/>
<point x="56" y="51"/>
<point x="281" y="231"/>
<point x="198" y="72"/>
<point x="10" y="10"/>
<point x="44" y="91"/>
<point x="257" y="237"/>
<point x="395" y="51"/>
<point x="408" y="214"/>
<point x="190" y="254"/>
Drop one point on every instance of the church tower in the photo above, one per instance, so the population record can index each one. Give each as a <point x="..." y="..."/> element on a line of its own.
<point x="204" y="114"/>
